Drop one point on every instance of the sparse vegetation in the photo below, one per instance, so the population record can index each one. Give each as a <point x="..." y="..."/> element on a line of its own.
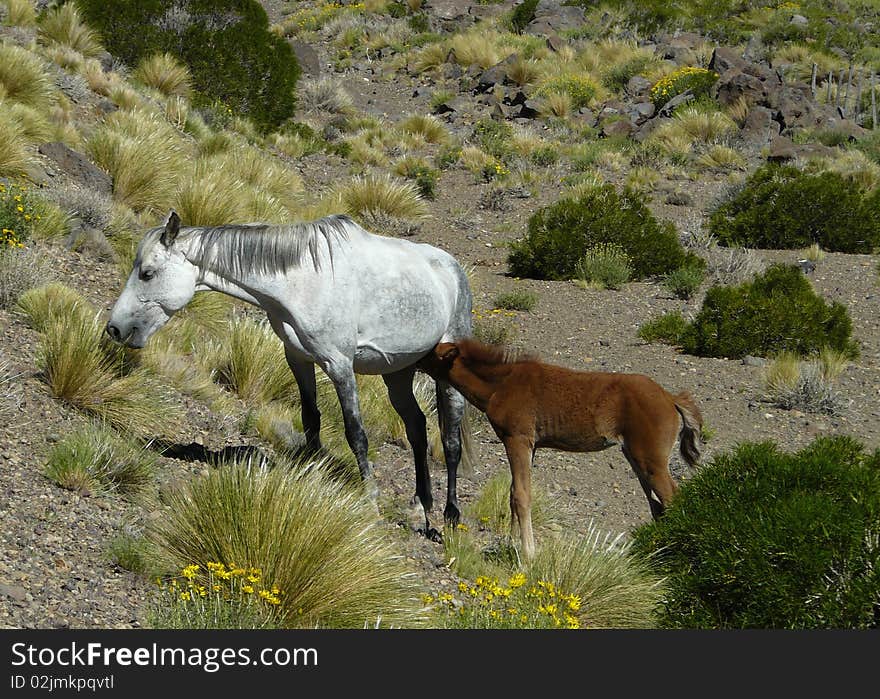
<point x="604" y="266"/>
<point x="808" y="385"/>
<point x="517" y="300"/>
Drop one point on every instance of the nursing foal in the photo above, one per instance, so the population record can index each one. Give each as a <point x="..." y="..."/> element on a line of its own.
<point x="531" y="404"/>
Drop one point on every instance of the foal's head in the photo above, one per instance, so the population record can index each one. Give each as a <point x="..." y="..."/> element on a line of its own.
<point x="438" y="362"/>
<point x="468" y="352"/>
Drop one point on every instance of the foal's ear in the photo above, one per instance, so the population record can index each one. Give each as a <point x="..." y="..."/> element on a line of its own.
<point x="172" y="228"/>
<point x="449" y="354"/>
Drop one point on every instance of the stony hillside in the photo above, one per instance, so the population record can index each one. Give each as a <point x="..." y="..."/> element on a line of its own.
<point x="365" y="71"/>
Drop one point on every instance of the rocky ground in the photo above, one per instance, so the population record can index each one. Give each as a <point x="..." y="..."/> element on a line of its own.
<point x="54" y="567"/>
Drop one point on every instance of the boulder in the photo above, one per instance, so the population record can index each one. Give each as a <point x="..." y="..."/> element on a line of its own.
<point x="307" y="58"/>
<point x="496" y="75"/>
<point x="553" y="17"/>
<point x="638" y="86"/>
<point x="734" y="84"/>
<point x="760" y="127"/>
<point x="783" y="149"/>
<point x="77" y="166"/>
<point x="675" y="102"/>
<point x="617" y="127"/>
<point x="724" y="58"/>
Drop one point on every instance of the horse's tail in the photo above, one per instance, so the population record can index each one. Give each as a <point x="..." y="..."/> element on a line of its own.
<point x="691" y="426"/>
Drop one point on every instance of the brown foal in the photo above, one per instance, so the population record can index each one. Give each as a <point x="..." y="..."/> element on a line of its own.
<point x="531" y="404"/>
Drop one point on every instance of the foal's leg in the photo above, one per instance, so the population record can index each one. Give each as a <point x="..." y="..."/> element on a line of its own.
<point x="450" y="412"/>
<point x="519" y="454"/>
<point x="404" y="402"/>
<point x="304" y="373"/>
<point x="342" y="375"/>
<point x="652" y="468"/>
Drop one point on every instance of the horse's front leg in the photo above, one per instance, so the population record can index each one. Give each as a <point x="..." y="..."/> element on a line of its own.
<point x="304" y="373"/>
<point x="342" y="376"/>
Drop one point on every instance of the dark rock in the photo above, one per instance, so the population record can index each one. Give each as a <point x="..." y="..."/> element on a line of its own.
<point x="724" y="58"/>
<point x="675" y="102"/>
<point x="795" y="105"/>
<point x="760" y="126"/>
<point x="447" y="10"/>
<point x="530" y="109"/>
<point x="555" y="43"/>
<point x="617" y="127"/>
<point x="648" y="127"/>
<point x="496" y="75"/>
<point x="452" y="71"/>
<point x="637" y="86"/>
<point x="77" y="166"/>
<point x="307" y="58"/>
<point x="108" y="63"/>
<point x="105" y="106"/>
<point x="642" y="111"/>
<point x="734" y="84"/>
<point x="782" y="149"/>
<point x="423" y="92"/>
<point x="553" y="17"/>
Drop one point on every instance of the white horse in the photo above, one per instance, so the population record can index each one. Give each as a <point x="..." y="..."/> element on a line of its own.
<point x="337" y="296"/>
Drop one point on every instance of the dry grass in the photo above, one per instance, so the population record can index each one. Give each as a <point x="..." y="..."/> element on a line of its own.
<point x="323" y="95"/>
<point x="15" y="156"/>
<point x="20" y="13"/>
<point x="97" y="459"/>
<point x="163" y="72"/>
<point x="314" y="538"/>
<point x="808" y="385"/>
<point x="24" y="79"/>
<point x="492" y="506"/>
<point x="722" y="158"/>
<point x="21" y="269"/>
<point x="144" y="154"/>
<point x="429" y="127"/>
<point x="377" y="195"/>
<point x="475" y="47"/>
<point x="42" y="304"/>
<point x="64" y="26"/>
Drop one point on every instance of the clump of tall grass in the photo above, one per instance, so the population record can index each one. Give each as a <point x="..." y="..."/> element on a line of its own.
<point x="21" y="269"/>
<point x="375" y="195"/>
<point x="719" y="157"/>
<point x="96" y="459"/>
<point x="165" y="73"/>
<point x="492" y="506"/>
<point x="83" y="368"/>
<point x="144" y="154"/>
<point x="24" y="79"/>
<point x="323" y="95"/>
<point x="427" y="126"/>
<point x="250" y="361"/>
<point x="15" y="157"/>
<point x="517" y="300"/>
<point x="64" y="26"/>
<point x="20" y="13"/>
<point x="316" y="539"/>
<point x="604" y="266"/>
<point x="808" y="385"/>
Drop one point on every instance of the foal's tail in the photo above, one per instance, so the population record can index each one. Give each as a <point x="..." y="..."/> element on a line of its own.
<point x="691" y="426"/>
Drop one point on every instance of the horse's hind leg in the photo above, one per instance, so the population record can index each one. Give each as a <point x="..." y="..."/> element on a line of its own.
<point x="450" y="412"/>
<point x="304" y="373"/>
<point x="652" y="469"/>
<point x="519" y="454"/>
<point x="404" y="402"/>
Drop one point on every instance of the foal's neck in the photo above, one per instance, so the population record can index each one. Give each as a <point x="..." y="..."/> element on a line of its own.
<point x="477" y="381"/>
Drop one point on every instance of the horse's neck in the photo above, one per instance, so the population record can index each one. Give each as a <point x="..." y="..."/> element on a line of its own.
<point x="477" y="381"/>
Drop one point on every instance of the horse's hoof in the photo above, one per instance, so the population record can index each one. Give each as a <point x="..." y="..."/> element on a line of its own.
<point x="433" y="535"/>
<point x="451" y="514"/>
<point x="416" y="516"/>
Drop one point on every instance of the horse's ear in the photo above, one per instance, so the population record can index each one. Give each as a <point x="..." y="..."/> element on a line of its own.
<point x="172" y="228"/>
<point x="449" y="354"/>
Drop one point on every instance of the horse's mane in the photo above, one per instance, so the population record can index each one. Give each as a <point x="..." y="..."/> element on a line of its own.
<point x="473" y="350"/>
<point x="241" y="249"/>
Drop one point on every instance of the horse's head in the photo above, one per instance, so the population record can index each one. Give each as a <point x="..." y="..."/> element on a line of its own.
<point x="438" y="362"/>
<point x="161" y="282"/>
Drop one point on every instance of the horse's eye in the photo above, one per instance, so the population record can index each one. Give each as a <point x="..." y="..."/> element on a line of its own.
<point x="147" y="274"/>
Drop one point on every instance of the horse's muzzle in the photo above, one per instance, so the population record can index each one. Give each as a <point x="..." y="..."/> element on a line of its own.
<point x="113" y="331"/>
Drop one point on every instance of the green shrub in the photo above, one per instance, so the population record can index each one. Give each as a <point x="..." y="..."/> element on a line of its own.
<point x="698" y="80"/>
<point x="516" y="300"/>
<point x="227" y="45"/>
<point x="559" y="235"/>
<point x="522" y="14"/>
<point x="776" y="311"/>
<point x="684" y="281"/>
<point x="782" y="207"/>
<point x="604" y="266"/>
<point x="494" y="137"/>
<point x="580" y="87"/>
<point x="762" y="538"/>
<point x="668" y="328"/>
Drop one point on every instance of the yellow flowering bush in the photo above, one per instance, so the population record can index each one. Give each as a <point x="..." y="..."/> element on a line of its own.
<point x="312" y="19"/>
<point x="216" y="596"/>
<point x="697" y="80"/>
<point x="519" y="603"/>
<point x="19" y="213"/>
